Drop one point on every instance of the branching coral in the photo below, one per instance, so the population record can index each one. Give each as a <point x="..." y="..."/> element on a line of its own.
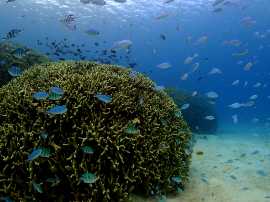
<point x="95" y="151"/>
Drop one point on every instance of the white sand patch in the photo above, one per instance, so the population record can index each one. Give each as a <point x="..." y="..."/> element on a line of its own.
<point x="232" y="168"/>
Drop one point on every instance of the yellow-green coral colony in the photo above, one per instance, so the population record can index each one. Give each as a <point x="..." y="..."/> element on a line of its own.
<point x="102" y="126"/>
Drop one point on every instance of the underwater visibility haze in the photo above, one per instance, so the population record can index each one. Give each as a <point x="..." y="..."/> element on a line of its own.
<point x="135" y="100"/>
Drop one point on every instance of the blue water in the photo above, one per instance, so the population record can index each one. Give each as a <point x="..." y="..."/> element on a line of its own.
<point x="137" y="21"/>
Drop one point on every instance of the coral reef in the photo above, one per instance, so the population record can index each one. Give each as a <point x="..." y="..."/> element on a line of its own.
<point x="200" y="106"/>
<point x="16" y="54"/>
<point x="80" y="131"/>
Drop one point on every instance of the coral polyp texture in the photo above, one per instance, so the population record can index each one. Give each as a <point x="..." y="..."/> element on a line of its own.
<point x="81" y="131"/>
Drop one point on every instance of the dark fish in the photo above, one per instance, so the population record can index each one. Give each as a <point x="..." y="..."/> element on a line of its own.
<point x="15" y="71"/>
<point x="262" y="173"/>
<point x="20" y="52"/>
<point x="120" y="1"/>
<point x="217" y="2"/>
<point x="233" y="177"/>
<point x="96" y="44"/>
<point x="8" y="1"/>
<point x="216" y="10"/>
<point x="98" y="2"/>
<point x="85" y="1"/>
<point x="168" y="1"/>
<point x="92" y="32"/>
<point x="199" y="78"/>
<point x="12" y="33"/>
<point x="39" y="43"/>
<point x="163" y="37"/>
<point x="68" y="19"/>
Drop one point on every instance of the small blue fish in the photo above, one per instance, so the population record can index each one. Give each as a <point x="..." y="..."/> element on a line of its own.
<point x="6" y="199"/>
<point x="88" y="178"/>
<point x="35" y="154"/>
<point x="132" y="129"/>
<point x="56" y="93"/>
<point x="58" y="109"/>
<point x="37" y="187"/>
<point x="204" y="179"/>
<point x="176" y="179"/>
<point x="158" y="88"/>
<point x="104" y="98"/>
<point x="162" y="198"/>
<point x="41" y="95"/>
<point x="133" y="74"/>
<point x="45" y="152"/>
<point x="178" y="114"/>
<point x="177" y="141"/>
<point x="54" y="181"/>
<point x="57" y="90"/>
<point x="92" y="32"/>
<point x="87" y="150"/>
<point x="44" y="135"/>
<point x="185" y="106"/>
<point x="262" y="173"/>
<point x="85" y="1"/>
<point x="15" y="71"/>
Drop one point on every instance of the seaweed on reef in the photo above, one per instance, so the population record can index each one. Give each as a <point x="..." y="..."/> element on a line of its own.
<point x="200" y="107"/>
<point x="94" y="151"/>
<point x="8" y="58"/>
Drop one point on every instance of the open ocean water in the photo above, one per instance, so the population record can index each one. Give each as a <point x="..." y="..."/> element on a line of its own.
<point x="217" y="49"/>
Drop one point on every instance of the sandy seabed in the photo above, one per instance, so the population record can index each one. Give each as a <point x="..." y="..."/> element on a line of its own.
<point x="232" y="168"/>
